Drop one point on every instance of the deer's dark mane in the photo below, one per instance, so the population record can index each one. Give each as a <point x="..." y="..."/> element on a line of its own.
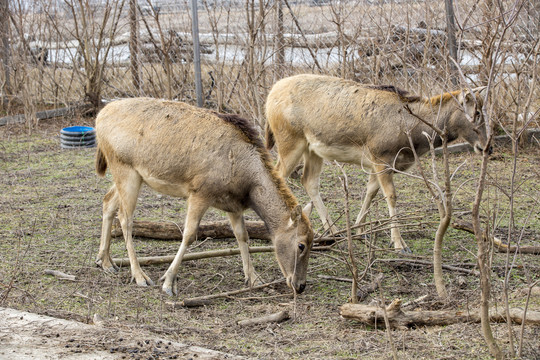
<point x="252" y="135"/>
<point x="403" y="94"/>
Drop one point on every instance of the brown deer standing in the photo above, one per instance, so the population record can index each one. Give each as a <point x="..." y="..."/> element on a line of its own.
<point x="321" y="117"/>
<point x="209" y="158"/>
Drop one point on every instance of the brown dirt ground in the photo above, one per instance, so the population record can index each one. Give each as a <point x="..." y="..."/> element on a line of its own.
<point x="51" y="217"/>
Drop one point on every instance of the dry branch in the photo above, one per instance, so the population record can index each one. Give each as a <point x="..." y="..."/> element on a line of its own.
<point x="59" y="275"/>
<point x="335" y="278"/>
<point x="204" y="300"/>
<point x="365" y="290"/>
<point x="497" y="243"/>
<point x="412" y="262"/>
<point x="415" y="302"/>
<point x="373" y="315"/>
<point x="277" y="317"/>
<point x="159" y="260"/>
<point x="170" y="231"/>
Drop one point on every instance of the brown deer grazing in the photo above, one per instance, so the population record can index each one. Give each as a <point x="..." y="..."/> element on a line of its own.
<point x="209" y="158"/>
<point x="321" y="117"/>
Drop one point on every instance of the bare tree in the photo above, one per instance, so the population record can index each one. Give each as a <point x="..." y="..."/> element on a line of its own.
<point x="495" y="36"/>
<point x="451" y="34"/>
<point x="279" y="42"/>
<point x="5" y="52"/>
<point x="134" y="45"/>
<point x="94" y="29"/>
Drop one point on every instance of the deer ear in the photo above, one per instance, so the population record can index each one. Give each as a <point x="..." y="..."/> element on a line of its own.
<point x="296" y="214"/>
<point x="479" y="91"/>
<point x="307" y="209"/>
<point x="465" y="97"/>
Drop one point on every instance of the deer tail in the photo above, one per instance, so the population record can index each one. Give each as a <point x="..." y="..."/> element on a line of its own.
<point x="101" y="163"/>
<point x="269" y="135"/>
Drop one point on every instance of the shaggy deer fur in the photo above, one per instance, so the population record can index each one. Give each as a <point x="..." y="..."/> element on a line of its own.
<point x="209" y="158"/>
<point x="321" y="117"/>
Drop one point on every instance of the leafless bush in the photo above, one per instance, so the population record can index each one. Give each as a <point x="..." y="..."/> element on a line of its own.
<point x="249" y="44"/>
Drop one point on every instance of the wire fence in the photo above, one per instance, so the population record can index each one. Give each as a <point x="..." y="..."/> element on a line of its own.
<point x="56" y="53"/>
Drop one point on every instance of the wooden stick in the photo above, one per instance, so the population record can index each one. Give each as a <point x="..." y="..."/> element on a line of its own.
<point x="416" y="301"/>
<point x="59" y="274"/>
<point x="276" y="317"/>
<point x="192" y="302"/>
<point x="335" y="278"/>
<point x="170" y="231"/>
<point x="365" y="290"/>
<point x="205" y="299"/>
<point x="429" y="263"/>
<point x="159" y="260"/>
<point x="497" y="243"/>
<point x="373" y="315"/>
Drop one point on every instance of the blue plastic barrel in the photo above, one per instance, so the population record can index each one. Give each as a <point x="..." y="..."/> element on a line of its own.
<point x="77" y="137"/>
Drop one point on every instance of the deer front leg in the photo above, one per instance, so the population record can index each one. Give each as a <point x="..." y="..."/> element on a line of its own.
<point x="195" y="212"/>
<point x="241" y="234"/>
<point x="387" y="185"/>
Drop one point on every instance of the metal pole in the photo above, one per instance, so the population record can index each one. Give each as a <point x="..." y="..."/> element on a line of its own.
<point x="196" y="52"/>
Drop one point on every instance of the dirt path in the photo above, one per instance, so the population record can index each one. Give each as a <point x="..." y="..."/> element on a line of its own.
<point x="25" y="336"/>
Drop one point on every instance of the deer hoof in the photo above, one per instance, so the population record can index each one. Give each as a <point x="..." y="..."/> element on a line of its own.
<point x="144" y="281"/>
<point x="110" y="268"/>
<point x="255" y="282"/>
<point x="169" y="290"/>
<point x="168" y="285"/>
<point x="405" y="250"/>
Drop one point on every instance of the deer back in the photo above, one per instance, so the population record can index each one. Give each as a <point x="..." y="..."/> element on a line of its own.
<point x="346" y="121"/>
<point x="179" y="149"/>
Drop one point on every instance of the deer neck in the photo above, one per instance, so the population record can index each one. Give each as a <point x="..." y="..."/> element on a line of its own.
<point x="438" y="115"/>
<point x="270" y="204"/>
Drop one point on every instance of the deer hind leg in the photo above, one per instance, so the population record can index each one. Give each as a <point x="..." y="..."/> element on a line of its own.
<point x="111" y="203"/>
<point x="195" y="211"/>
<point x="310" y="179"/>
<point x="128" y="184"/>
<point x="241" y="234"/>
<point x="387" y="184"/>
<point x="372" y="188"/>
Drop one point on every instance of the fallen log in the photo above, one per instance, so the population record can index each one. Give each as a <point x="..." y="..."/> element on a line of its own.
<point x="46" y="114"/>
<point x="169" y="231"/>
<point x="399" y="319"/>
<point x="159" y="260"/>
<point x="272" y="318"/>
<point x="497" y="243"/>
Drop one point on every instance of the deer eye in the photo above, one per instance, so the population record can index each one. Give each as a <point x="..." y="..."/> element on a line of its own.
<point x="301" y="247"/>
